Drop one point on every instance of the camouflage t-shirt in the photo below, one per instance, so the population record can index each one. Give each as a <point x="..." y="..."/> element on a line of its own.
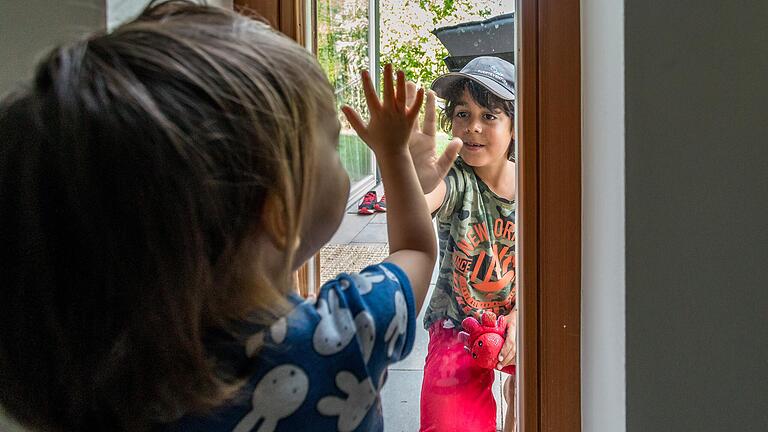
<point x="476" y="229"/>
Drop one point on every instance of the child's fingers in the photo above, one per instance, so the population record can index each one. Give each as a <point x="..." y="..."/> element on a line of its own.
<point x="370" y="93"/>
<point x="410" y="97"/>
<point x="355" y="121"/>
<point x="445" y="161"/>
<point x="429" y="127"/>
<point x="400" y="95"/>
<point x="410" y="93"/>
<point x="389" y="90"/>
<point x="507" y="354"/>
<point x="413" y="112"/>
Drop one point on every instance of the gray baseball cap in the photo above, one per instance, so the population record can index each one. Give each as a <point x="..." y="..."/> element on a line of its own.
<point x="493" y="73"/>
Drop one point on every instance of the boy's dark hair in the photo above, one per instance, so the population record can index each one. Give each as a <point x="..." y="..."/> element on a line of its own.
<point x="482" y="97"/>
<point x="133" y="172"/>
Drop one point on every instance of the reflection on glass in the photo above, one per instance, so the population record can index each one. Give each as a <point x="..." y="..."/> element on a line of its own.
<point x="343" y="51"/>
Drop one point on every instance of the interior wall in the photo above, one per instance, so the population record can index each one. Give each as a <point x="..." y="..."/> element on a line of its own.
<point x="603" y="249"/>
<point x="30" y="27"/>
<point x="696" y="206"/>
<point x="119" y="11"/>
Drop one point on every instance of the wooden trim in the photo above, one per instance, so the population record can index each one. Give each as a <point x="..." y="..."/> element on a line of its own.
<point x="268" y="9"/>
<point x="527" y="217"/>
<point x="549" y="242"/>
<point x="284" y="15"/>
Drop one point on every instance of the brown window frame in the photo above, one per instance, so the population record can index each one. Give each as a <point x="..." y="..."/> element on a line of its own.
<point x="549" y="231"/>
<point x="549" y="190"/>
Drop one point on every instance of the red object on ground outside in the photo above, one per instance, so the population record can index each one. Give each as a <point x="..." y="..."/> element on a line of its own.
<point x="381" y="205"/>
<point x="369" y="202"/>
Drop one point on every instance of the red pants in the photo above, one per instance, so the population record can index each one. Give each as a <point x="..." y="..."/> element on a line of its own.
<point x="456" y="395"/>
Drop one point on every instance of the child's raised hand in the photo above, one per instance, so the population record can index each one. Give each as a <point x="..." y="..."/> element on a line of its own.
<point x="430" y="168"/>
<point x="391" y="119"/>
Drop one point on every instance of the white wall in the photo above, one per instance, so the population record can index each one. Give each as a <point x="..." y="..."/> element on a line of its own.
<point x="696" y="215"/>
<point x="603" y="251"/>
<point x="675" y="107"/>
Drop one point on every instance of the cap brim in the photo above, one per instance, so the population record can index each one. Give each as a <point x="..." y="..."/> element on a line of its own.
<point x="442" y="84"/>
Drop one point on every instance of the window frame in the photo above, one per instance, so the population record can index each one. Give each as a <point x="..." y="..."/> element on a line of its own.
<point x="549" y="231"/>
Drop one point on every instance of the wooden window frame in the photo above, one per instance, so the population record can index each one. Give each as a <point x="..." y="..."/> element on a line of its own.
<point x="549" y="231"/>
<point x="549" y="190"/>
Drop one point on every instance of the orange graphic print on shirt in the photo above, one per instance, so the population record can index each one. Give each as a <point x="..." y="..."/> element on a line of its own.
<point x="483" y="273"/>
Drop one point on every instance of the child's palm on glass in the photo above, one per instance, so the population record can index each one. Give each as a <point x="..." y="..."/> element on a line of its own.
<point x="430" y="168"/>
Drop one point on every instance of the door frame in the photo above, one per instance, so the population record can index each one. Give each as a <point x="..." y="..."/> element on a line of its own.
<point x="549" y="231"/>
<point x="549" y="217"/>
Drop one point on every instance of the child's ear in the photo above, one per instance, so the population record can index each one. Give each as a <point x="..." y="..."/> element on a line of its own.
<point x="273" y="221"/>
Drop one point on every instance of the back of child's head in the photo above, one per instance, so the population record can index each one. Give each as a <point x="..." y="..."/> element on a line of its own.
<point x="133" y="172"/>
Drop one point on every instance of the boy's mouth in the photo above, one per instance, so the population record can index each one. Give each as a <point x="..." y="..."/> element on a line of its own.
<point x="469" y="145"/>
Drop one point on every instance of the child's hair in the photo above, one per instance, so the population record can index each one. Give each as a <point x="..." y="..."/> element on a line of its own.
<point x="481" y="96"/>
<point x="133" y="174"/>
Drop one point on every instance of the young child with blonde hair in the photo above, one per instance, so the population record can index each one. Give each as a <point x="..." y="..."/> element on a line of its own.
<point x="158" y="187"/>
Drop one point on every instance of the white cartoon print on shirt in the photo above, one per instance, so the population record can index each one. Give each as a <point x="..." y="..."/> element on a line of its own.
<point x="365" y="281"/>
<point x="399" y="323"/>
<point x="390" y="275"/>
<point x="336" y="327"/>
<point x="278" y="395"/>
<point x="366" y="333"/>
<point x="352" y="410"/>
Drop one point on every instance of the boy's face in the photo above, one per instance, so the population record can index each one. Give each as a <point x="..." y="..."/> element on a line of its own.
<point x="486" y="133"/>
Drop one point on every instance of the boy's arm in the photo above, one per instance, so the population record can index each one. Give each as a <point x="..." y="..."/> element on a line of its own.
<point x="436" y="197"/>
<point x="430" y="168"/>
<point x="412" y="241"/>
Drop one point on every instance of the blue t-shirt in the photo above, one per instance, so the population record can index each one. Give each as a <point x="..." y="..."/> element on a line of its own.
<point x="321" y="367"/>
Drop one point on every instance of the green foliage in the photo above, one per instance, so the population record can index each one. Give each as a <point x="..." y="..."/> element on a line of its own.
<point x="443" y="9"/>
<point x="342" y="37"/>
<point x="406" y="38"/>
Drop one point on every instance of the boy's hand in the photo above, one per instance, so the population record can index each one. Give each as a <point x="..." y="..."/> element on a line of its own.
<point x="391" y="120"/>
<point x="508" y="354"/>
<point x="430" y="169"/>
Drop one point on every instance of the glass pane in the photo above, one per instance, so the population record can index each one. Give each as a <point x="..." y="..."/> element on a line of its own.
<point x="343" y="51"/>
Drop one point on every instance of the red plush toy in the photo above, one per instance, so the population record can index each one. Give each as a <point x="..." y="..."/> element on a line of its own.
<point x="484" y="340"/>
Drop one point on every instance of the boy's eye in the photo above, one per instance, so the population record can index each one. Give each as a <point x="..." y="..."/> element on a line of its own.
<point x="461" y="114"/>
<point x="490" y="117"/>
